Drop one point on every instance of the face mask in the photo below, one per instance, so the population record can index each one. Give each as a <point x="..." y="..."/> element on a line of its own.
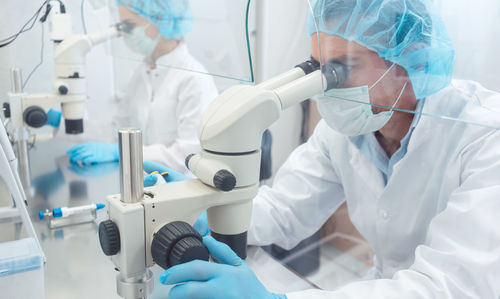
<point x="348" y="110"/>
<point x="138" y="41"/>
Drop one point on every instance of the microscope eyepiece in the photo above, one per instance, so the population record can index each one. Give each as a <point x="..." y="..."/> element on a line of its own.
<point x="335" y="74"/>
<point x="125" y="26"/>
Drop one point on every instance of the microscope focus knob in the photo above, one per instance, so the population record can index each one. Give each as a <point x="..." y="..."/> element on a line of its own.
<point x="6" y="110"/>
<point x="224" y="180"/>
<point x="35" y="116"/>
<point x="62" y="89"/>
<point x="109" y="237"/>
<point x="177" y="243"/>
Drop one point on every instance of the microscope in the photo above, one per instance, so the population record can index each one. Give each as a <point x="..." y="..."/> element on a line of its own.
<point x="30" y="110"/>
<point x="153" y="225"/>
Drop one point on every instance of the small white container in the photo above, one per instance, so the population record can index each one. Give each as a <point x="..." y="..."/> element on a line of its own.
<point x="21" y="270"/>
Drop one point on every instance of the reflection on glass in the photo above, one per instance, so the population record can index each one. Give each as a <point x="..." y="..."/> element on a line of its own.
<point x="395" y="57"/>
<point x="213" y="31"/>
<point x="409" y="154"/>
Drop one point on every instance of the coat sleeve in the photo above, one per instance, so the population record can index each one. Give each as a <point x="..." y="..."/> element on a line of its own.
<point x="305" y="193"/>
<point x="195" y="93"/>
<point x="461" y="255"/>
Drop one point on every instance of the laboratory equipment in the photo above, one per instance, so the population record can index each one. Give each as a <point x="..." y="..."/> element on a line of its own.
<point x="19" y="259"/>
<point x="30" y="110"/>
<point x="21" y="263"/>
<point x="63" y="216"/>
<point x="153" y="225"/>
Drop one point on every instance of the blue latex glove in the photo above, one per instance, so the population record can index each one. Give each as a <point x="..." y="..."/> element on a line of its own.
<point x="151" y="180"/>
<point x="93" y="152"/>
<point x="53" y="118"/>
<point x="201" y="225"/>
<point x="232" y="278"/>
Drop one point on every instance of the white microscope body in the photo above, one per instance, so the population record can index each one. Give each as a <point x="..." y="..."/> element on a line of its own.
<point x="30" y="110"/>
<point x="142" y="229"/>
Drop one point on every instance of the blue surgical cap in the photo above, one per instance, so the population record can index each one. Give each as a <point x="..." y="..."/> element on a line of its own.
<point x="409" y="33"/>
<point x="173" y="18"/>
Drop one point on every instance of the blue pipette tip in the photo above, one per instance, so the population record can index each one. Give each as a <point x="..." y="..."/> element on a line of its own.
<point x="100" y="206"/>
<point x="41" y="215"/>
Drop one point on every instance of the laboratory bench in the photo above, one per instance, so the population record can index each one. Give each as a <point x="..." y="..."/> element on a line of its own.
<point x="75" y="265"/>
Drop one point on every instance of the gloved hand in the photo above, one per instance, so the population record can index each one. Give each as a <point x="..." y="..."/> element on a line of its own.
<point x="201" y="225"/>
<point x="53" y="118"/>
<point x="151" y="180"/>
<point x="93" y="152"/>
<point x="232" y="278"/>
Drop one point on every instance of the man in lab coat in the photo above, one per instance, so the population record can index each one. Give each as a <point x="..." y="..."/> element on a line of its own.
<point x="420" y="177"/>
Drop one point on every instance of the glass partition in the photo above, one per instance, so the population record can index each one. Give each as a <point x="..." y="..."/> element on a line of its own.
<point x="214" y="33"/>
<point x="399" y="60"/>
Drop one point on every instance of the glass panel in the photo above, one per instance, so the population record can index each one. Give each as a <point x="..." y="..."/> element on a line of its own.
<point x="399" y="58"/>
<point x="404" y="62"/>
<point x="213" y="32"/>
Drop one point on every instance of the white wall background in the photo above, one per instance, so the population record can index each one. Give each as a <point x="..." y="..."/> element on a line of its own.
<point x="474" y="27"/>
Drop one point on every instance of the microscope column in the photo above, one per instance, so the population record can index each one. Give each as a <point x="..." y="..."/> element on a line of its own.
<point x="21" y="136"/>
<point x="131" y="177"/>
<point x="132" y="191"/>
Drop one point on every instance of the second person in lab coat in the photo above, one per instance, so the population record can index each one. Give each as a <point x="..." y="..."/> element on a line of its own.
<point x="165" y="103"/>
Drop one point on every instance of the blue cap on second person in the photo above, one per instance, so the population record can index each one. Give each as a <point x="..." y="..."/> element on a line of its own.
<point x="173" y="18"/>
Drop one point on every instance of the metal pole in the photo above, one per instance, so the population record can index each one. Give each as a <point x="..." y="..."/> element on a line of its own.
<point x="21" y="136"/>
<point x="17" y="81"/>
<point x="131" y="177"/>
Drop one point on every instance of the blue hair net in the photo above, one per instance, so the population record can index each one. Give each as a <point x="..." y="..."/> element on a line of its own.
<point x="409" y="33"/>
<point x="173" y="18"/>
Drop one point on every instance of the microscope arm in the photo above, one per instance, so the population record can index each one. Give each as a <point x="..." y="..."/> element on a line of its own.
<point x="231" y="128"/>
<point x="70" y="54"/>
<point x="143" y="229"/>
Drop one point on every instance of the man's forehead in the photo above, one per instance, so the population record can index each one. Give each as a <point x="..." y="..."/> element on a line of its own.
<point x="128" y="14"/>
<point x="338" y="48"/>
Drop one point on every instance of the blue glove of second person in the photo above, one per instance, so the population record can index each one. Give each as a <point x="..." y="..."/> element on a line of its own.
<point x="232" y="278"/>
<point x="53" y="118"/>
<point x="93" y="152"/>
<point x="151" y="180"/>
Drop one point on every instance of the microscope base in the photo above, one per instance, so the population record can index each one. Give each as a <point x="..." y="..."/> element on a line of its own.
<point x="135" y="288"/>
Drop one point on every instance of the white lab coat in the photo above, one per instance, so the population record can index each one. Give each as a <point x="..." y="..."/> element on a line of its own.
<point x="166" y="103"/>
<point x="435" y="226"/>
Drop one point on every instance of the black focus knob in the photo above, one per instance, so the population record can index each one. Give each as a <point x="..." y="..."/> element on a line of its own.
<point x="177" y="243"/>
<point x="6" y="110"/>
<point x="109" y="237"/>
<point x="63" y="89"/>
<point x="224" y="180"/>
<point x="35" y="116"/>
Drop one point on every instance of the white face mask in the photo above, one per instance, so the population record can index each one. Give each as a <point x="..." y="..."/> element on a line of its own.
<point x="138" y="41"/>
<point x="348" y="110"/>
